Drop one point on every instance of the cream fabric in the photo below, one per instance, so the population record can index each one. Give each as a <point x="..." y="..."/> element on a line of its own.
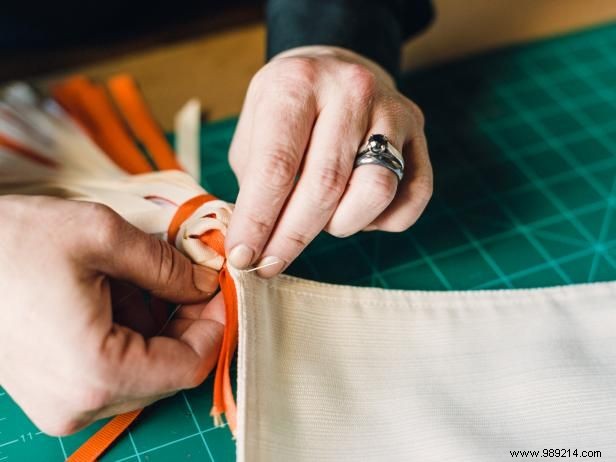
<point x="344" y="373"/>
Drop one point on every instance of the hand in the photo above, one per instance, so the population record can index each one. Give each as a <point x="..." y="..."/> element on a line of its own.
<point x="306" y="114"/>
<point x="65" y="358"/>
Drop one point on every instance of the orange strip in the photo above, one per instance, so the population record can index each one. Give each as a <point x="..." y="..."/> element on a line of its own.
<point x="102" y="439"/>
<point x="26" y="152"/>
<point x="223" y="400"/>
<point x="134" y="108"/>
<point x="66" y="93"/>
<point x="183" y="212"/>
<point x="91" y="107"/>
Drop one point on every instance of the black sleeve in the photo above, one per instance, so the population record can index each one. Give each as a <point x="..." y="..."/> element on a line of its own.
<point x="376" y="29"/>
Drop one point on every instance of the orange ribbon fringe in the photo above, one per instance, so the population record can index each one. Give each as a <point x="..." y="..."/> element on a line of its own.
<point x="223" y="402"/>
<point x="89" y="104"/>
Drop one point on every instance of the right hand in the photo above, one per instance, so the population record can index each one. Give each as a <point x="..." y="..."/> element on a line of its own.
<point x="71" y="352"/>
<point x="306" y="114"/>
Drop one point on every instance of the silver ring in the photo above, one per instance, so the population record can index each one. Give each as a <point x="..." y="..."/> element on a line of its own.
<point x="379" y="151"/>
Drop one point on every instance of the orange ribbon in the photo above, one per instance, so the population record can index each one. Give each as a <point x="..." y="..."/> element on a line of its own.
<point x="98" y="443"/>
<point x="224" y="403"/>
<point x="89" y="104"/>
<point x="127" y="97"/>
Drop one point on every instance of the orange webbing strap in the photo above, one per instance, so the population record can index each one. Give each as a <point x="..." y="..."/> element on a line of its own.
<point x="130" y="102"/>
<point x="223" y="400"/>
<point x="17" y="148"/>
<point x="98" y="443"/>
<point x="89" y="104"/>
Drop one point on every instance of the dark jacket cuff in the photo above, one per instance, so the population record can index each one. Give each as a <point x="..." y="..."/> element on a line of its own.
<point x="375" y="29"/>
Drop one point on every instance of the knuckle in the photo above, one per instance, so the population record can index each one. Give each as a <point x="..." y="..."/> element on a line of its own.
<point x="257" y="81"/>
<point x="106" y="223"/>
<point x="259" y="226"/>
<point x="331" y="183"/>
<point x="298" y="70"/>
<point x="297" y="240"/>
<point x="278" y="170"/>
<point x="289" y="76"/>
<point x="363" y="82"/>
<point x="168" y="266"/>
<point x="402" y="112"/>
<point x="397" y="111"/>
<point x="403" y="108"/>
<point x="291" y="95"/>
<point x="416" y="113"/>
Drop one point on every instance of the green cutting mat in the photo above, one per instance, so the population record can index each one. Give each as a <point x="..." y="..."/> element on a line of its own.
<point x="523" y="143"/>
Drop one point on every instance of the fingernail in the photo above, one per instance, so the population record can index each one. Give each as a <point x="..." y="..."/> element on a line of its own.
<point x="206" y="279"/>
<point x="271" y="266"/>
<point x="241" y="256"/>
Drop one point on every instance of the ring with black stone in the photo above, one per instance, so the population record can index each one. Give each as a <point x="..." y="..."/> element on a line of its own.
<point x="379" y="151"/>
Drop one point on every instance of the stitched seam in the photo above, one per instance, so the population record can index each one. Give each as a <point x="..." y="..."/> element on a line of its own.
<point x="370" y="296"/>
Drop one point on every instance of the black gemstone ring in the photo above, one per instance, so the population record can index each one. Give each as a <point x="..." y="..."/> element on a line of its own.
<point x="379" y="151"/>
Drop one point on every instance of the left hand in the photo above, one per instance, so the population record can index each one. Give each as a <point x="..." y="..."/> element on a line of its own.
<point x="306" y="114"/>
<point x="78" y="341"/>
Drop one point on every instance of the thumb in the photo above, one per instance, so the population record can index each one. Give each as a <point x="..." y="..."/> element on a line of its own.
<point x="124" y="252"/>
